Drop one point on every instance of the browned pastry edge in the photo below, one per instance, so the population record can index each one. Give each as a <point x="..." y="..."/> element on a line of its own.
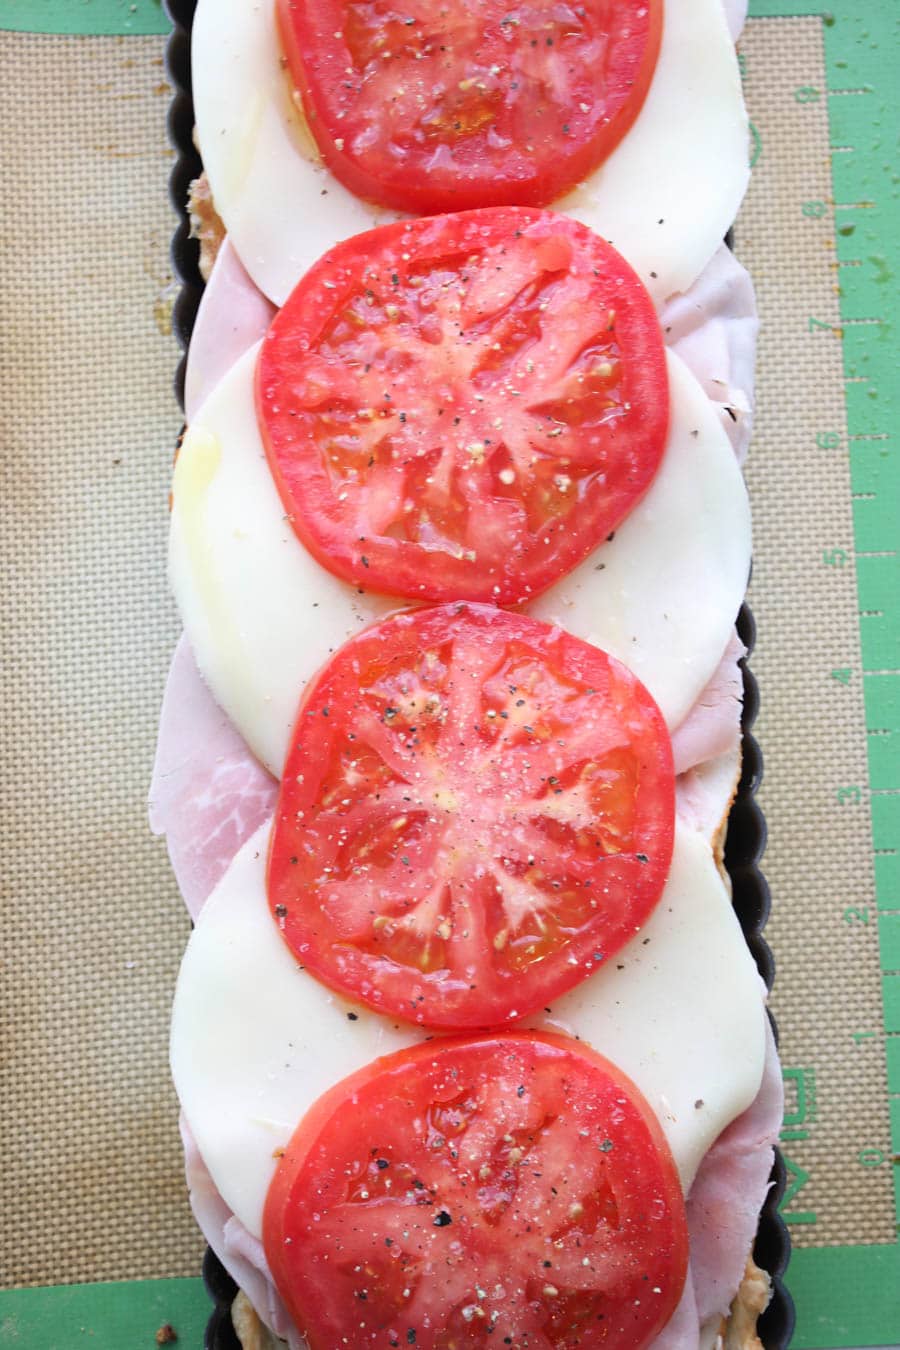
<point x="250" y="1331"/>
<point x="206" y="224"/>
<point x="739" y="1332"/>
<point x="719" y="833"/>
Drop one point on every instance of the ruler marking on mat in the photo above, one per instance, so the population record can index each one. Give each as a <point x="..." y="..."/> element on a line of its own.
<point x="857" y="1303"/>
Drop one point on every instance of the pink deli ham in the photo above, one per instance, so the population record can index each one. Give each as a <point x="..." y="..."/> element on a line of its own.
<point x="233" y="314"/>
<point x="208" y="794"/>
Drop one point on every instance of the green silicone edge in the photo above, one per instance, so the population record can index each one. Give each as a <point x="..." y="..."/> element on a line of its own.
<point x="125" y="1315"/>
<point x="84" y="17"/>
<point x="850" y="1296"/>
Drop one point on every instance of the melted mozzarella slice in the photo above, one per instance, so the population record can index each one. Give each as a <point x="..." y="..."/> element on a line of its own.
<point x="262" y="615"/>
<point x="666" y="195"/>
<point x="256" y="1041"/>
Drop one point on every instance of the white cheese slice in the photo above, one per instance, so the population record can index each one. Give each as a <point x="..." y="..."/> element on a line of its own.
<point x="664" y="197"/>
<point x="262" y="615"/>
<point x="256" y="1040"/>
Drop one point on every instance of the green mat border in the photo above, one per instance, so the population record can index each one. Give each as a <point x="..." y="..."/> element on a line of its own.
<point x="125" y="1315"/>
<point x="97" y="17"/>
<point x="850" y="1296"/>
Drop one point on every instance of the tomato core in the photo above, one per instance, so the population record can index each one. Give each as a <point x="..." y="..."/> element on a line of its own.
<point x="476" y="812"/>
<point x="511" y="1190"/>
<point x="431" y="107"/>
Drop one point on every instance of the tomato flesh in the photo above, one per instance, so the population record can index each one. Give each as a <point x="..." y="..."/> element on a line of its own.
<point x="476" y="812"/>
<point x="511" y="1190"/>
<point x="429" y="107"/>
<point x="463" y="407"/>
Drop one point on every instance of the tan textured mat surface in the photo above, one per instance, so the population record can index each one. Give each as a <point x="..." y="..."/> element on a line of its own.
<point x="812" y="725"/>
<point x="90" y="1186"/>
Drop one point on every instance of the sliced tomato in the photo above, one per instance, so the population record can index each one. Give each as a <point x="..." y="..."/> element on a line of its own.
<point x="463" y="407"/>
<point x="512" y="1190"/>
<point x="477" y="811"/>
<point x="431" y="107"/>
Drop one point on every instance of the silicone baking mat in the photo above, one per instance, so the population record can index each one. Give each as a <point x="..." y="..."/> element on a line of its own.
<point x="819" y="234"/>
<point x="97" y="1242"/>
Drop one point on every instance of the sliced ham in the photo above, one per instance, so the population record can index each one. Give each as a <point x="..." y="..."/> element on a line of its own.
<point x="713" y="328"/>
<point x="208" y="793"/>
<point x="713" y="725"/>
<point x="726" y="1197"/>
<point x="704" y="794"/>
<point x="233" y="314"/>
<point x="240" y="1254"/>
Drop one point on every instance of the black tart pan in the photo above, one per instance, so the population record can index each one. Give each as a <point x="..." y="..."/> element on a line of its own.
<point x="746" y="837"/>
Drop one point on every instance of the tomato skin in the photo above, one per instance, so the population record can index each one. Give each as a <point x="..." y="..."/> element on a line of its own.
<point x="476" y="812"/>
<point x="463" y="407"/>
<point x="486" y="111"/>
<point x="519" y="1182"/>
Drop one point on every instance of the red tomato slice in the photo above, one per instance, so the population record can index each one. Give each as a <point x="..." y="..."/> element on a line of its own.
<point x="463" y="407"/>
<point x="429" y="107"/>
<point x="513" y="1190"/>
<point x="477" y="811"/>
